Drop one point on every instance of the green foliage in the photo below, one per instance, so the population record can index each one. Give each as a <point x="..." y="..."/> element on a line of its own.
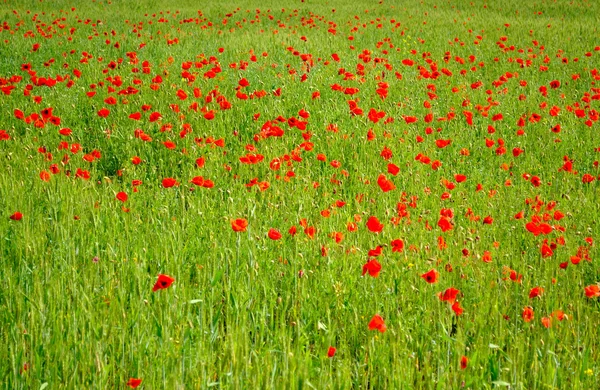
<point x="77" y="306"/>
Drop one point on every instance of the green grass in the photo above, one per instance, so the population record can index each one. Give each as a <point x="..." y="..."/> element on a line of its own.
<point x="77" y="308"/>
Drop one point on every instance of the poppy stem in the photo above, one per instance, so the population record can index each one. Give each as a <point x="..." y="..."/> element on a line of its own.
<point x="249" y="250"/>
<point x="237" y="256"/>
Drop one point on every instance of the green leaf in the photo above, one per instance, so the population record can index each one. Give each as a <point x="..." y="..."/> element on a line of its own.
<point x="217" y="278"/>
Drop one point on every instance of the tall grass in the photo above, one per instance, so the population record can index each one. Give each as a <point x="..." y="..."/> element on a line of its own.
<point x="77" y="308"/>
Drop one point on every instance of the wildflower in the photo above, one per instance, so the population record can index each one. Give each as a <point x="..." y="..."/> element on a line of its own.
<point x="17" y="216"/>
<point x="430" y="276"/>
<point x="239" y="225"/>
<point x="134" y="382"/>
<point x="163" y="282"/>
<point x="377" y="323"/>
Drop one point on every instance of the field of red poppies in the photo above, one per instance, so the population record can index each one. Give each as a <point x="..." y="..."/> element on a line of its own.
<point x="299" y="194"/>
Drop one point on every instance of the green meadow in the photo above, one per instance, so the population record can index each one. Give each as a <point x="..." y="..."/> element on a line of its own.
<point x="299" y="194"/>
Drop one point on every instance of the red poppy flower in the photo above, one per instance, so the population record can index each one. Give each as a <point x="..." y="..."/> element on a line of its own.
<point x="397" y="245"/>
<point x="169" y="182"/>
<point x="377" y="323"/>
<point x="45" y="176"/>
<point x="310" y="231"/>
<point x="393" y="169"/>
<point x="375" y="116"/>
<point x="274" y="234"/>
<point x="134" y="382"/>
<point x="385" y="184"/>
<point x="374" y="225"/>
<point x="163" y="281"/>
<point x="372" y="267"/>
<point x="82" y="174"/>
<point x="17" y="216"/>
<point x="103" y="113"/>
<point x="169" y="144"/>
<point x="252" y="158"/>
<point x="239" y="225"/>
<point x="88" y="157"/>
<point x="442" y="143"/>
<point x="136" y="116"/>
<point x="546" y="250"/>
<point x="515" y="276"/>
<point x="198" y="180"/>
<point x="430" y="276"/>
<point x="558" y="314"/>
<point x="469" y="117"/>
<point x="386" y="153"/>
<point x="587" y="178"/>
<point x="546" y="322"/>
<point x="155" y="116"/>
<point x="445" y="224"/>
<point x="47" y="112"/>
<point x="464" y="361"/>
<point x="487" y="257"/>
<point x="337" y="236"/>
<point x="460" y="178"/>
<point x="449" y="295"/>
<point x="122" y="197"/>
<point x="181" y="94"/>
<point x="376" y="252"/>
<point x="331" y="352"/>
<point x="592" y="291"/>
<point x="527" y="314"/>
<point x="457" y="309"/>
<point x="536" y="292"/>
